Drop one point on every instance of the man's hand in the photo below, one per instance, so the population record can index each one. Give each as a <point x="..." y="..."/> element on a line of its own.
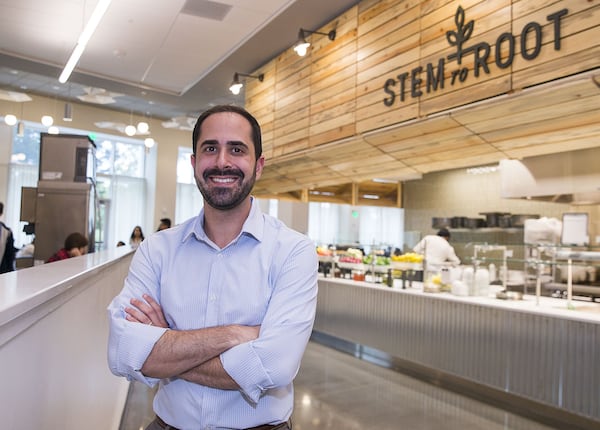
<point x="146" y="312"/>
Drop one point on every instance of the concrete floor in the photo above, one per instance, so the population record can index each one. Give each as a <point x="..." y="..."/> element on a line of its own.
<point x="335" y="390"/>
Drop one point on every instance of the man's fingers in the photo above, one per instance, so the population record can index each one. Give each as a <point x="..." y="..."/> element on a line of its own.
<point x="157" y="310"/>
<point x="135" y="315"/>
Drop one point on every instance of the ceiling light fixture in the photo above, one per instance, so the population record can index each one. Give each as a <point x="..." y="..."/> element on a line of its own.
<point x="21" y="129"/>
<point x="143" y="127"/>
<point x="84" y="38"/>
<point x="10" y="119"/>
<point x="68" y="113"/>
<point x="303" y="45"/>
<point x="47" y="120"/>
<point x="237" y="85"/>
<point x="130" y="130"/>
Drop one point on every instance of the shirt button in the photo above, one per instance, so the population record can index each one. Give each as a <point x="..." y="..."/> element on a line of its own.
<point x="213" y="297"/>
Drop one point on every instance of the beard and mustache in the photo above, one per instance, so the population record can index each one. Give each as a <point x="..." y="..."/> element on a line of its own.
<point x="226" y="197"/>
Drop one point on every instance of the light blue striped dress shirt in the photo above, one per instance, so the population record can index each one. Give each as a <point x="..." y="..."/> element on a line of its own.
<point x="267" y="276"/>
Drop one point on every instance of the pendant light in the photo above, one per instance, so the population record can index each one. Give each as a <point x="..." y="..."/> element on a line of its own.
<point x="130" y="129"/>
<point x="21" y="125"/>
<point x="47" y="120"/>
<point x="10" y="119"/>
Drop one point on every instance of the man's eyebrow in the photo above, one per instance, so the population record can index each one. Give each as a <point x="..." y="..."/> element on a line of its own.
<point x="229" y="142"/>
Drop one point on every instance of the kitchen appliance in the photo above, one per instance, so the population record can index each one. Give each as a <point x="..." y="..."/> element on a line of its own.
<point x="440" y="222"/>
<point x="458" y="222"/>
<point x="519" y="220"/>
<point x="61" y="209"/>
<point x="65" y="198"/>
<point x="492" y="219"/>
<point x="475" y="223"/>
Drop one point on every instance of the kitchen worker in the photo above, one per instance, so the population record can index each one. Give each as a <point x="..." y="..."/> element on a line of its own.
<point x="218" y="310"/>
<point x="437" y="250"/>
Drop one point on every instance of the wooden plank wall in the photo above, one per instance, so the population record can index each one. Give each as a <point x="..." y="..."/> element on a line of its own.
<point x="333" y="98"/>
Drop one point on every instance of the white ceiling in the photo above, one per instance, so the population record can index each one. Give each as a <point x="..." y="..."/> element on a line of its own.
<point x="165" y="58"/>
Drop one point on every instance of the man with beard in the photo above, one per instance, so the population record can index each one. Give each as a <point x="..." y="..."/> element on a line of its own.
<point x="218" y="310"/>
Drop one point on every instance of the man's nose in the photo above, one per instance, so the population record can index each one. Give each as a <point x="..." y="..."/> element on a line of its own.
<point x="223" y="159"/>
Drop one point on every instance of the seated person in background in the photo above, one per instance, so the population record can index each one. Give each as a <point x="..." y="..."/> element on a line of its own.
<point x="137" y="236"/>
<point x="164" y="224"/>
<point x="76" y="244"/>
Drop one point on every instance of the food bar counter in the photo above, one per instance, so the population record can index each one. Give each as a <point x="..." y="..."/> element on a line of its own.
<point x="542" y="360"/>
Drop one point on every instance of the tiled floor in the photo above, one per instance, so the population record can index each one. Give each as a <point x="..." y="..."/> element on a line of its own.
<point x="337" y="391"/>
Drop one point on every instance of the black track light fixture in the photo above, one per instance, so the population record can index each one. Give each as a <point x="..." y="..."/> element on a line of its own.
<point x="303" y="45"/>
<point x="236" y="84"/>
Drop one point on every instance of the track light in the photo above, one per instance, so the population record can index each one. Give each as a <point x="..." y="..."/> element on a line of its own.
<point x="237" y="85"/>
<point x="303" y="45"/>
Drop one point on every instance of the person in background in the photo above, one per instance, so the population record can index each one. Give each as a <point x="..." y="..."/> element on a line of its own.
<point x="165" y="223"/>
<point x="137" y="236"/>
<point x="76" y="244"/>
<point x="218" y="310"/>
<point x="8" y="251"/>
<point x="120" y="243"/>
<point x="27" y="250"/>
<point x="437" y="250"/>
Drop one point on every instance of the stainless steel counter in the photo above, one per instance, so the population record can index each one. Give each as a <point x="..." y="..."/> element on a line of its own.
<point x="544" y="357"/>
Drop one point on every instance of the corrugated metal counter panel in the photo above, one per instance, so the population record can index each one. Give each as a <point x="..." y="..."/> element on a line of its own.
<point x="552" y="360"/>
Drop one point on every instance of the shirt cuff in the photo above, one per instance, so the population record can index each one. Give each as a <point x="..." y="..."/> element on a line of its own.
<point x="139" y="341"/>
<point x="245" y="367"/>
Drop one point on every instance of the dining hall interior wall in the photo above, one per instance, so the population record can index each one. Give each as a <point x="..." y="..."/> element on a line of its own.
<point x="337" y="92"/>
<point x="84" y="117"/>
<point x="327" y="117"/>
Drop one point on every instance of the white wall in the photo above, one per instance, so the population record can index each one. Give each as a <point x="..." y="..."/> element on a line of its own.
<point x="53" y="346"/>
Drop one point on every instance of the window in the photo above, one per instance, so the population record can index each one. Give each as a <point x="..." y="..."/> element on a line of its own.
<point x="369" y="226"/>
<point x="188" y="200"/>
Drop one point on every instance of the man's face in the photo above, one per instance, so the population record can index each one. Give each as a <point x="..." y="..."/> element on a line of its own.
<point x="225" y="165"/>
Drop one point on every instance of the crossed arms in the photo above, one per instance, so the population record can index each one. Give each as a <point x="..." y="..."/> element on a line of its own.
<point x="192" y="355"/>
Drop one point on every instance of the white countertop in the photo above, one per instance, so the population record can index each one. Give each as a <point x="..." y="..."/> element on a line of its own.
<point x="548" y="306"/>
<point x="24" y="289"/>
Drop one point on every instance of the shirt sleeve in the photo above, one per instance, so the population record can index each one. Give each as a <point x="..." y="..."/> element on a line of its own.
<point x="452" y="256"/>
<point x="273" y="359"/>
<point x="130" y="343"/>
<point x="420" y="247"/>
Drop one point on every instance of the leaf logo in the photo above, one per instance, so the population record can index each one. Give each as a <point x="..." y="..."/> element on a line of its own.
<point x="459" y="37"/>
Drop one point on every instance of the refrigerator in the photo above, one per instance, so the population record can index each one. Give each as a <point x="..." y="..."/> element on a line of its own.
<point x="66" y="193"/>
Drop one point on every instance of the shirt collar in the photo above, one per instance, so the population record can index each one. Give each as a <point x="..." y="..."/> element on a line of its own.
<point x="253" y="226"/>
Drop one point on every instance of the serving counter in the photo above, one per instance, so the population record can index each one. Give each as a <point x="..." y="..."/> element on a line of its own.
<point x="538" y="358"/>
